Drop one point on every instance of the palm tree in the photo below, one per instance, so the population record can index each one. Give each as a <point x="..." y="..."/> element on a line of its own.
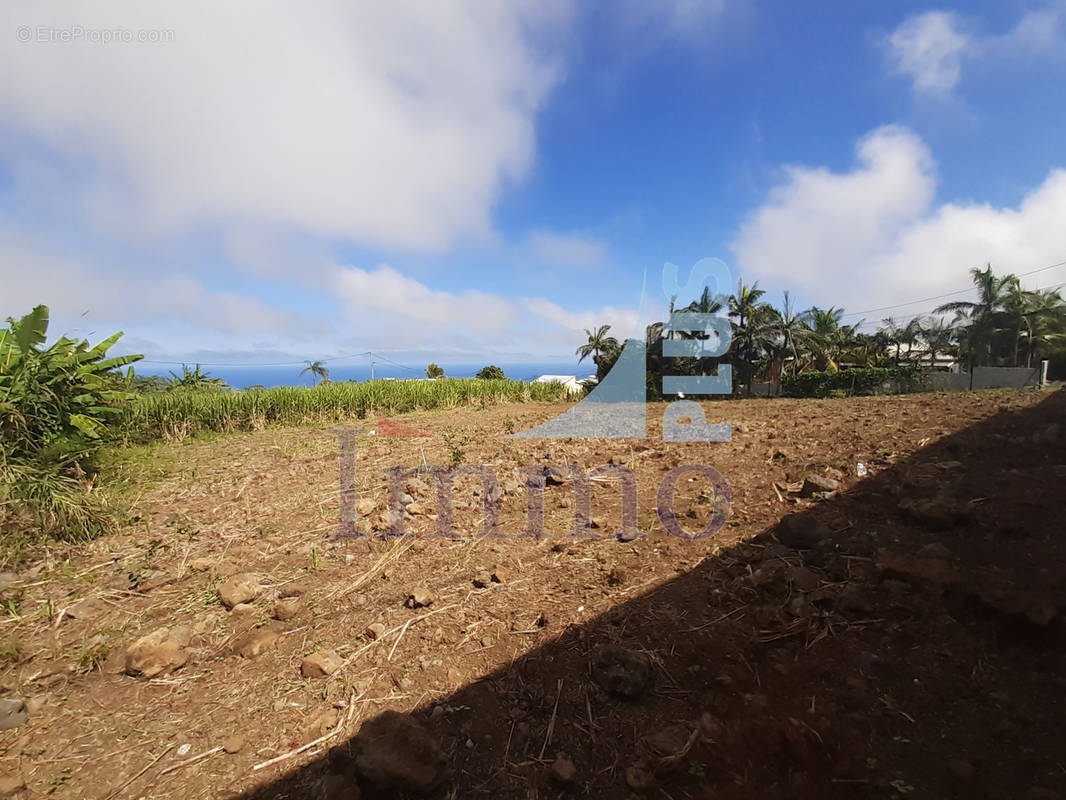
<point x="938" y="335"/>
<point x="993" y="293"/>
<point x="598" y="342"/>
<point x="792" y="331"/>
<point x="824" y="334"/>
<point x="753" y="325"/>
<point x="433" y="371"/>
<point x="1045" y="321"/>
<point x="317" y="370"/>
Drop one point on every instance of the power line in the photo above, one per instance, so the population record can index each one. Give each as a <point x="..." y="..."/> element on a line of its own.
<point x="946" y="294"/>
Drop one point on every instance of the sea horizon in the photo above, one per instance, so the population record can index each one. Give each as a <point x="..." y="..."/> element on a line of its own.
<point x="242" y="377"/>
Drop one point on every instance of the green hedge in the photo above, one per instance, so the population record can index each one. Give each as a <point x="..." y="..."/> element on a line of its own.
<point x="873" y="380"/>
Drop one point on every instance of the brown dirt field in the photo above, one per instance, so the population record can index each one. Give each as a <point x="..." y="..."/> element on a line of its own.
<point x="914" y="647"/>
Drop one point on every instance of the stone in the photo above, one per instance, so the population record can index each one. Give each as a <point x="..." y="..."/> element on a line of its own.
<point x="501" y="574"/>
<point x="935" y="514"/>
<point x="234" y="744"/>
<point x="914" y="570"/>
<point x="321" y="664"/>
<point x="563" y="770"/>
<point x="376" y="630"/>
<point x="158" y="653"/>
<point x="203" y="564"/>
<point x="418" y="509"/>
<point x="11" y="785"/>
<point x="801" y="532"/>
<point x="241" y="588"/>
<point x="13" y="713"/>
<point x="365" y="507"/>
<point x="622" y="672"/>
<point x="961" y="770"/>
<point x="256" y="642"/>
<point x="815" y="484"/>
<point x="294" y="589"/>
<point x="483" y="579"/>
<point x="639" y="779"/>
<point x="87" y="609"/>
<point x="286" y="609"/>
<point x="394" y="751"/>
<point x="419" y="597"/>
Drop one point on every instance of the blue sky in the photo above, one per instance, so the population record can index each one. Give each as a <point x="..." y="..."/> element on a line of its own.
<point x="480" y="181"/>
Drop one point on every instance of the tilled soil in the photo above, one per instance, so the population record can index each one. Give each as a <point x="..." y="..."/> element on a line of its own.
<point x="897" y="633"/>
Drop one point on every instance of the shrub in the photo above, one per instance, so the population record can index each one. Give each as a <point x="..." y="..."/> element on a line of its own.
<point x="491" y="373"/>
<point x="56" y="404"/>
<point x="872" y="380"/>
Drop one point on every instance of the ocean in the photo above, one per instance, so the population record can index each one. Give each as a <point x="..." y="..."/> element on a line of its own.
<point x="243" y="377"/>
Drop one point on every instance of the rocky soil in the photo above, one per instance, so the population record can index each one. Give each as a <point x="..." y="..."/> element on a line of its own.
<point x="882" y="616"/>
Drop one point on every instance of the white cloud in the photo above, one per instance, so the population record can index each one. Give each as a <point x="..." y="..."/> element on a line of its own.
<point x="574" y="323"/>
<point x="933" y="48"/>
<point x="568" y="249"/>
<point x="873" y="237"/>
<point x="395" y="296"/>
<point x="389" y="124"/>
<point x="74" y="287"/>
<point x="929" y="48"/>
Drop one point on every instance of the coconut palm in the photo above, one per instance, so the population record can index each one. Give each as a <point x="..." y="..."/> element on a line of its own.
<point x="317" y="369"/>
<point x="938" y="335"/>
<point x="753" y="329"/>
<point x="598" y="342"/>
<point x="993" y="292"/>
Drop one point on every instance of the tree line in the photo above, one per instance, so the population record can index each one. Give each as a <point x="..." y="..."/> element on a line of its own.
<point x="1007" y="325"/>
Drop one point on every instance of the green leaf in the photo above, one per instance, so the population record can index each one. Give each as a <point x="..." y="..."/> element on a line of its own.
<point x="30" y="331"/>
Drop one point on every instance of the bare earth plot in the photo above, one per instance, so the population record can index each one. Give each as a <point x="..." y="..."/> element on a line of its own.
<point x="899" y="636"/>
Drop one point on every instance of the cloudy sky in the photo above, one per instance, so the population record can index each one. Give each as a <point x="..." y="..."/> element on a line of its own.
<point x="247" y="182"/>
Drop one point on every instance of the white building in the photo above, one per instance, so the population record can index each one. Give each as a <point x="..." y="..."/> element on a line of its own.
<point x="572" y="384"/>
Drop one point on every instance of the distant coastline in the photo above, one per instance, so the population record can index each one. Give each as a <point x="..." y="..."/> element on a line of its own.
<point x="243" y="377"/>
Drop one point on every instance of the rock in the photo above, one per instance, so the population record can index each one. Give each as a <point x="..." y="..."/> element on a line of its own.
<point x="483" y="579"/>
<point x="203" y="564"/>
<point x="801" y="532"/>
<point x="961" y="770"/>
<point x="554" y="477"/>
<point x="234" y="744"/>
<point x="336" y="786"/>
<point x="622" y="672"/>
<point x="563" y="770"/>
<point x="13" y="713"/>
<point x="365" y="507"/>
<point x="419" y="597"/>
<point x="294" y="589"/>
<point x="639" y="779"/>
<point x="630" y="535"/>
<point x="88" y="608"/>
<point x="814" y="484"/>
<point x="394" y="751"/>
<point x="256" y="642"/>
<point x="915" y="570"/>
<point x="320" y="664"/>
<point x="286" y="609"/>
<point x="418" y="509"/>
<point x="935" y="514"/>
<point x="803" y="579"/>
<point x="376" y="630"/>
<point x="244" y="609"/>
<point x="158" y="653"/>
<point x="10" y="785"/>
<point x="834" y="474"/>
<point x="241" y="588"/>
<point x="670" y="742"/>
<point x="598" y="522"/>
<point x="320" y="724"/>
<point x="501" y="574"/>
<point x="936" y="550"/>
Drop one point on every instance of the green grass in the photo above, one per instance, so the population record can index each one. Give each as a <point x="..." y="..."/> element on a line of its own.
<point x="175" y="415"/>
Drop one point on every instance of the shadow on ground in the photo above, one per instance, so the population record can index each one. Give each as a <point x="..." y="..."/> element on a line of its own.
<point x="902" y="639"/>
